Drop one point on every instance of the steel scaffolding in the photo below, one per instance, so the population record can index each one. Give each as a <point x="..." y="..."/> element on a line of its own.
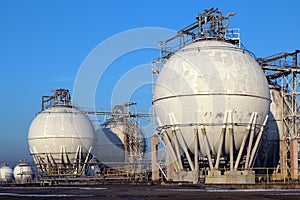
<point x="283" y="71"/>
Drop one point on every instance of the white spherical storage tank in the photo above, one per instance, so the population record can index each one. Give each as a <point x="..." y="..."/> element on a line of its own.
<point x="59" y="134"/>
<point x="108" y="147"/>
<point x="6" y="174"/>
<point x="211" y="83"/>
<point x="22" y="173"/>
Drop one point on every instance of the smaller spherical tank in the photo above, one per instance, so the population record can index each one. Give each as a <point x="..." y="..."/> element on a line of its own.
<point x="60" y="129"/>
<point x="268" y="155"/>
<point x="274" y="130"/>
<point x="22" y="173"/>
<point x="108" y="147"/>
<point x="6" y="173"/>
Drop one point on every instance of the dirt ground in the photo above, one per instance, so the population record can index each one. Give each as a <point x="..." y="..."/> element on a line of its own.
<point x="158" y="192"/>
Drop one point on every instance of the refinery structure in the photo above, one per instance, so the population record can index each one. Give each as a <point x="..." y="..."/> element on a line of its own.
<point x="220" y="115"/>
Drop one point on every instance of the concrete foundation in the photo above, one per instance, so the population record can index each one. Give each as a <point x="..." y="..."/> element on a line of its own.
<point x="170" y="168"/>
<point x="186" y="176"/>
<point x="230" y="177"/>
<point x="155" y="169"/>
<point x="294" y="158"/>
<point x="283" y="158"/>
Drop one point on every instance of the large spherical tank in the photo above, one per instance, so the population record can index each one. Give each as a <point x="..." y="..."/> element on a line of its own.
<point x="204" y="80"/>
<point x="6" y="174"/>
<point x="108" y="147"/>
<point x="22" y="173"/>
<point x="60" y="129"/>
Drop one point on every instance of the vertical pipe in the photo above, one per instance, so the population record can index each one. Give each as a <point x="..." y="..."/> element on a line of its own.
<point x="62" y="154"/>
<point x="230" y="129"/>
<point x="196" y="147"/>
<point x="43" y="103"/>
<point x="125" y="136"/>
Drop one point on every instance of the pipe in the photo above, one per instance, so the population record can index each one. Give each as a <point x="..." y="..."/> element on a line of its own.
<point x="196" y="158"/>
<point x="226" y="19"/>
<point x="230" y="130"/>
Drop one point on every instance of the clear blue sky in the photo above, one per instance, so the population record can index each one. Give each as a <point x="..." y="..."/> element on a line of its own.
<point x="43" y="44"/>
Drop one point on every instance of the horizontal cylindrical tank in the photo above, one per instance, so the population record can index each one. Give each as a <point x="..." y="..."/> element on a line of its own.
<point x="204" y="80"/>
<point x="59" y="132"/>
<point x="23" y="173"/>
<point x="6" y="173"/>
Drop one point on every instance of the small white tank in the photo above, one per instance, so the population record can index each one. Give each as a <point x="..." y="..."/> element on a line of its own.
<point x="22" y="173"/>
<point x="6" y="173"/>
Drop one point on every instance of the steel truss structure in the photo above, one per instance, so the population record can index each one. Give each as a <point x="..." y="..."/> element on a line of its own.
<point x="283" y="71"/>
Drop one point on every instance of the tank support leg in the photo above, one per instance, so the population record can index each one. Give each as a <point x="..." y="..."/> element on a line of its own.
<point x="170" y="150"/>
<point x="88" y="156"/>
<point x="230" y="132"/>
<point x="175" y="139"/>
<point x="202" y="134"/>
<point x="178" y="135"/>
<point x="185" y="148"/>
<point x="251" y="141"/>
<point x="221" y="141"/>
<point x="177" y="148"/>
<point x="254" y="150"/>
<point x="244" y="141"/>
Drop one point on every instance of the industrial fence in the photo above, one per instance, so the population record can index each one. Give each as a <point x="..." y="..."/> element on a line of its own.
<point x="272" y="175"/>
<point x="141" y="172"/>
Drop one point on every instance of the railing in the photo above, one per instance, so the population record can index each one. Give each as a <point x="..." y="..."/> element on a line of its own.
<point x="181" y="41"/>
